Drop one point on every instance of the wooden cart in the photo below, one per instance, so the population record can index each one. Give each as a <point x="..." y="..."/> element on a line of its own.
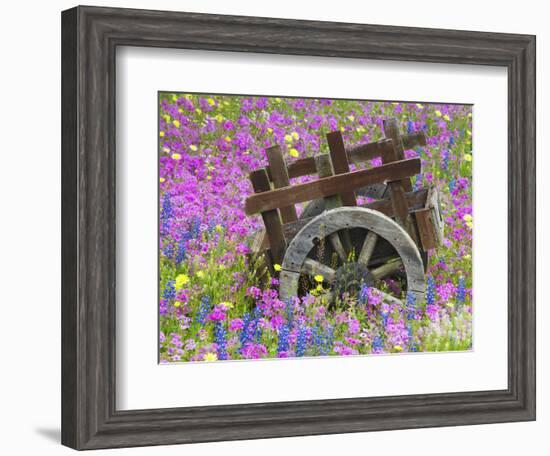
<point x="347" y="244"/>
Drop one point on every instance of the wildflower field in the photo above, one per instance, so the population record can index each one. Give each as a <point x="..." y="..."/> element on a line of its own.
<point x="212" y="303"/>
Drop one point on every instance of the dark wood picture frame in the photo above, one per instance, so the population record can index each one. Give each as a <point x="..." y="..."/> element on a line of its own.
<point x="90" y="36"/>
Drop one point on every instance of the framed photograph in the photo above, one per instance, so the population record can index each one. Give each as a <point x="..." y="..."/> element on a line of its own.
<point x="280" y="228"/>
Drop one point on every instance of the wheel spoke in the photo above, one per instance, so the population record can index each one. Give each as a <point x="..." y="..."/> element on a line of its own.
<point x="337" y="245"/>
<point x="312" y="267"/>
<point x="368" y="248"/>
<point x="387" y="269"/>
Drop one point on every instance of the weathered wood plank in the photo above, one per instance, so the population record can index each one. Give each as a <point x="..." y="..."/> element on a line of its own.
<point x="340" y="163"/>
<point x="397" y="195"/>
<point x="356" y="154"/>
<point x="391" y="130"/>
<point x="426" y="231"/>
<point x="416" y="200"/>
<point x="281" y="197"/>
<point x="301" y="167"/>
<point x="432" y="202"/>
<point x="271" y="218"/>
<point x="279" y="177"/>
<point x="364" y="152"/>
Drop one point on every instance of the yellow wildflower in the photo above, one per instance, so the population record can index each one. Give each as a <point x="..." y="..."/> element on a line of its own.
<point x="294" y="153"/>
<point x="210" y="356"/>
<point x="166" y="117"/>
<point x="193" y="147"/>
<point x="288" y="138"/>
<point x="351" y="118"/>
<point x="446" y="117"/>
<point x="295" y="135"/>
<point x="469" y="132"/>
<point x="450" y="305"/>
<point x="209" y="177"/>
<point x="438" y="113"/>
<point x="226" y="304"/>
<point x="228" y="139"/>
<point x="419" y="105"/>
<point x="318" y="278"/>
<point x="398" y="348"/>
<point x="278" y="100"/>
<point x="319" y="287"/>
<point x="467" y="218"/>
<point x="468" y="157"/>
<point x="277" y="267"/>
<point x="174" y="97"/>
<point x="161" y="134"/>
<point x="181" y="280"/>
<point x="467" y="257"/>
<point x="177" y="304"/>
<point x="162" y="179"/>
<point x="270" y="130"/>
<point x="200" y="274"/>
<point x="176" y="156"/>
<point x="469" y="225"/>
<point x="198" y="111"/>
<point x="219" y="228"/>
<point x="176" y="123"/>
<point x="211" y="102"/>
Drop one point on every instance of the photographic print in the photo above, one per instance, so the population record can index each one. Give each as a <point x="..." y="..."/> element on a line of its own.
<point x="304" y="227"/>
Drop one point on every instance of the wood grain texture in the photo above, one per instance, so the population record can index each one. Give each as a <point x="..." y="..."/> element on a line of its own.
<point x="340" y="163"/>
<point x="391" y="130"/>
<point x="279" y="176"/>
<point x="356" y="154"/>
<point x="270" y="217"/>
<point x="398" y="188"/>
<point x="329" y="186"/>
<point x="89" y="40"/>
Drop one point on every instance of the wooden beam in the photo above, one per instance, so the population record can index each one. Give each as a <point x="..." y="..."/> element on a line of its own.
<point x="340" y="163"/>
<point x="356" y="154"/>
<point x="391" y="130"/>
<point x="279" y="177"/>
<point x="397" y="195"/>
<point x="271" y="218"/>
<point x="300" y="193"/>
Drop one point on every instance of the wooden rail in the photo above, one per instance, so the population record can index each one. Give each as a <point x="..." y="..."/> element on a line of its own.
<point x="287" y="196"/>
<point x="356" y="154"/>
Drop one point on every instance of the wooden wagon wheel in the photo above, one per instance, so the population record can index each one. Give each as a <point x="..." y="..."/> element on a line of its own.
<point x="376" y="228"/>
